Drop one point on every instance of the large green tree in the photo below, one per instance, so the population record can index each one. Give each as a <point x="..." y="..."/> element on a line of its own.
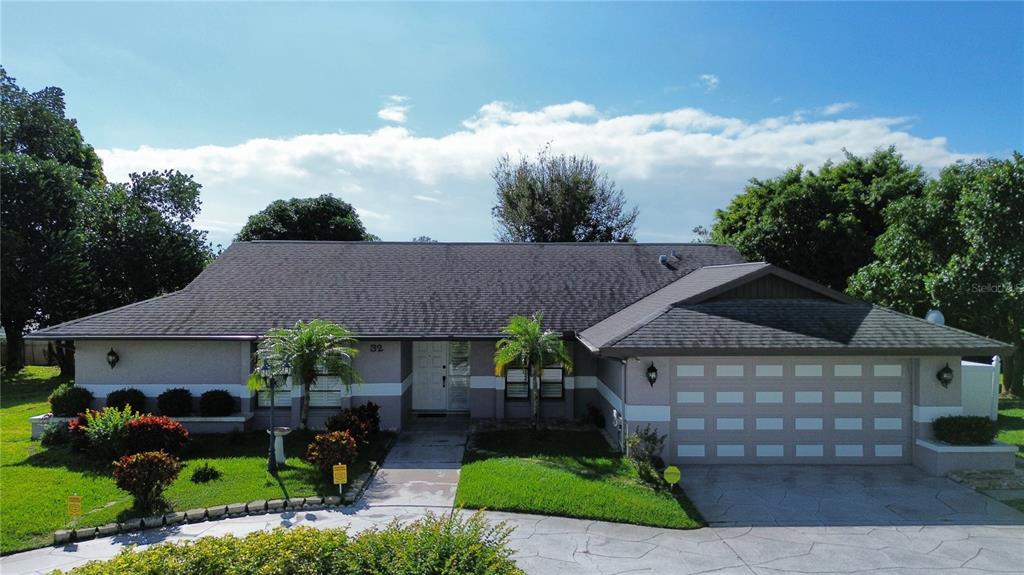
<point x="821" y="225"/>
<point x="559" y="198"/>
<point x="959" y="248"/>
<point x="45" y="168"/>
<point x="322" y="218"/>
<point x="138" y="239"/>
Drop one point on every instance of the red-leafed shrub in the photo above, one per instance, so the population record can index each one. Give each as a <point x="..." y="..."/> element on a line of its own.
<point x="330" y="449"/>
<point x="76" y="432"/>
<point x="361" y="422"/>
<point x="153" y="433"/>
<point x="145" y="475"/>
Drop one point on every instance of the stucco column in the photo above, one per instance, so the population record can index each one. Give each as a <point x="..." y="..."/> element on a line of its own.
<point x="931" y="399"/>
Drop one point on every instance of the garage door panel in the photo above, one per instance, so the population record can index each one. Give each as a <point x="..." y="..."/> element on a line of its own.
<point x="827" y="411"/>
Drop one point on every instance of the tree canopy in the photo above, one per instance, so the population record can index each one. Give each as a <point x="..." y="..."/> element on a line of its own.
<point x="559" y="198"/>
<point x="71" y="243"/>
<point x="323" y="218"/>
<point x="958" y="247"/>
<point x="820" y="225"/>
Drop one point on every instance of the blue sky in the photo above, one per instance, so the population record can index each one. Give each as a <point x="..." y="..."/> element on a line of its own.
<point x="402" y="109"/>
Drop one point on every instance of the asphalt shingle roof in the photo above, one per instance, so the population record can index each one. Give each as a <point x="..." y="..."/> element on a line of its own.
<point x="777" y="326"/>
<point x="402" y="289"/>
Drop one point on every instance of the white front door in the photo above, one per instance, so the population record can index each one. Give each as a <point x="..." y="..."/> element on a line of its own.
<point x="429" y="372"/>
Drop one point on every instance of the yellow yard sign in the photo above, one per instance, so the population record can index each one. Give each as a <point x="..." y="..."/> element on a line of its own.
<point x="75" y="505"/>
<point x="340" y="474"/>
<point x="672" y="474"/>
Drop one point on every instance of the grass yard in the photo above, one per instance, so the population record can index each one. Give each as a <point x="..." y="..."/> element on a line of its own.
<point x="1011" y="423"/>
<point x="35" y="482"/>
<point x="565" y="473"/>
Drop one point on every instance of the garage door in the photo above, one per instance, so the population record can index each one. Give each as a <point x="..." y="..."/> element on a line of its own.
<point x="843" y="410"/>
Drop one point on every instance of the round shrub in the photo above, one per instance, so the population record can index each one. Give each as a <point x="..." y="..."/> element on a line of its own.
<point x="330" y="449"/>
<point x="216" y="403"/>
<point x="145" y="476"/>
<point x="127" y="396"/>
<point x="68" y="400"/>
<point x="205" y="473"/>
<point x="965" y="429"/>
<point x="369" y="414"/>
<point x="153" y="433"/>
<point x="175" y="402"/>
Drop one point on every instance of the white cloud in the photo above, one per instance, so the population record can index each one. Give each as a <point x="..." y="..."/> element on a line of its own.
<point x="709" y="81"/>
<point x="678" y="166"/>
<point x="394" y="109"/>
<point x="838" y="108"/>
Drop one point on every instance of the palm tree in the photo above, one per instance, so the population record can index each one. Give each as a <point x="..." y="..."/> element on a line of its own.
<point x="315" y="348"/>
<point x="525" y="345"/>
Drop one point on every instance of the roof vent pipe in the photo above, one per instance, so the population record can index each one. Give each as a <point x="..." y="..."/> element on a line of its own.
<point x="664" y="260"/>
<point x="935" y="316"/>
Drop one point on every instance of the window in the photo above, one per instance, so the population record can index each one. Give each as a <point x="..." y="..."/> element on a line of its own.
<point x="517" y="384"/>
<point x="282" y="395"/>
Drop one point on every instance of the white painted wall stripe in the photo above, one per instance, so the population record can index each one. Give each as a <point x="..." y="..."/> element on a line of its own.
<point x="927" y="414"/>
<point x="101" y="390"/>
<point x="648" y="413"/>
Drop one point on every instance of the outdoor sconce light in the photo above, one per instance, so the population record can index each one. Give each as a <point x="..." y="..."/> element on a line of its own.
<point x="652" y="374"/>
<point x="945" y="376"/>
<point x="112" y="358"/>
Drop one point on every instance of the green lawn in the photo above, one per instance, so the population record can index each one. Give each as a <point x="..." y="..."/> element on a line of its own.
<point x="1011" y="423"/>
<point x="566" y="473"/>
<point x="35" y="482"/>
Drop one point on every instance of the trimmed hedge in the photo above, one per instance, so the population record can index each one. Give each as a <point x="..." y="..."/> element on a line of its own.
<point x="68" y="400"/>
<point x="216" y="403"/>
<point x="127" y="396"/>
<point x="175" y="402"/>
<point x="441" y="545"/>
<point x="965" y="429"/>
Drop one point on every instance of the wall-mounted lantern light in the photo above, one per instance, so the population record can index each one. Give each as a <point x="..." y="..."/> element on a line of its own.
<point x="945" y="376"/>
<point x="652" y="374"/>
<point x="112" y="358"/>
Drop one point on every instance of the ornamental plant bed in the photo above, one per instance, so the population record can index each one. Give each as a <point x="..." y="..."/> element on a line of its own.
<point x="564" y="473"/>
<point x="31" y="515"/>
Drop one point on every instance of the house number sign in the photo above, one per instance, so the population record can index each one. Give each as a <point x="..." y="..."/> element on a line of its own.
<point x="376" y="347"/>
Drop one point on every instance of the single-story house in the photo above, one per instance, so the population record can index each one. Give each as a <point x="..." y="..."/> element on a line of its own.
<point x="736" y="361"/>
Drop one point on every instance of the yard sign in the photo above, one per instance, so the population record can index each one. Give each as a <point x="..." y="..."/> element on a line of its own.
<point x="75" y="505"/>
<point x="340" y="474"/>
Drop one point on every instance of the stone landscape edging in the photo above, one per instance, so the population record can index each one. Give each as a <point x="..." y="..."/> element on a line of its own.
<point x="258" y="507"/>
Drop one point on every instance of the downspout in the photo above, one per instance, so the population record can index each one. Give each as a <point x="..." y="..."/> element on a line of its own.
<point x="625" y="424"/>
<point x="993" y="411"/>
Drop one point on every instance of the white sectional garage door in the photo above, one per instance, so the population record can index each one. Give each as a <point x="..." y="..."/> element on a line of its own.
<point x="791" y="410"/>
